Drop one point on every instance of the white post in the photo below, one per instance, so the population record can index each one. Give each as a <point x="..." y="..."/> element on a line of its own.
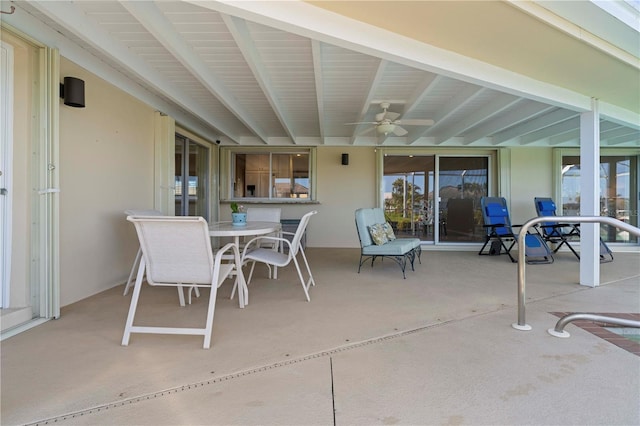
<point x="589" y="195"/>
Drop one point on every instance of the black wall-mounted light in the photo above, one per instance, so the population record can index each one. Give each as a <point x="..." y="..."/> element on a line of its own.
<point x="345" y="159"/>
<point x="72" y="91"/>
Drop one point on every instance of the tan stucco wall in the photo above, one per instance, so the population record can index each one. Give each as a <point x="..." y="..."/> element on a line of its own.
<point x="106" y="166"/>
<point x="531" y="176"/>
<point x="341" y="190"/>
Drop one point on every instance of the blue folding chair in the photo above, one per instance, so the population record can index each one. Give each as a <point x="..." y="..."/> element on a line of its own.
<point x="563" y="233"/>
<point x="500" y="236"/>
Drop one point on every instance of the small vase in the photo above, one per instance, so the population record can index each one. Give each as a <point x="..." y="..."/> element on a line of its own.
<point x="238" y="219"/>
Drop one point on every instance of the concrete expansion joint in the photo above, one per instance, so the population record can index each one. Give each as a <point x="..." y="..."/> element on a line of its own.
<point x="239" y="374"/>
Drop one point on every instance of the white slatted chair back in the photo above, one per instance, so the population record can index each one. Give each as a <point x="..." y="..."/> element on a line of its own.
<point x="136" y="262"/>
<point x="302" y="227"/>
<point x="176" y="251"/>
<point x="263" y="214"/>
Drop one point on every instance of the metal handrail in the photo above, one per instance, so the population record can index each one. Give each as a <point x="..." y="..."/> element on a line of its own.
<point x="522" y="324"/>
<point x="558" y="331"/>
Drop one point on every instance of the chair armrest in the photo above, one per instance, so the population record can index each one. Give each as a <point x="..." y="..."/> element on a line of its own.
<point x="255" y="241"/>
<point x="220" y="253"/>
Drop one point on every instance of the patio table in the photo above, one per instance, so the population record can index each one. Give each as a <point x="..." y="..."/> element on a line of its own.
<point x="227" y="229"/>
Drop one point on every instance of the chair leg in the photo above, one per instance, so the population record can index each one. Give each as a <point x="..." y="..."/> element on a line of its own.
<point x="180" y="294"/>
<point x="304" y="287"/>
<point x="486" y="241"/>
<point x="194" y="289"/>
<point x="208" y="330"/>
<point x="572" y="250"/>
<point x="134" y="304"/>
<point x="133" y="270"/>
<point x="304" y="257"/>
<point x="310" y="282"/>
<point x="235" y="283"/>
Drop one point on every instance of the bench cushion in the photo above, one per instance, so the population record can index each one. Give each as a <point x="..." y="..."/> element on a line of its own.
<point x="397" y="247"/>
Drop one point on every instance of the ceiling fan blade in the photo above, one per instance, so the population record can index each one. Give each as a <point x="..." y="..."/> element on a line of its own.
<point x="367" y="131"/>
<point x="415" y="122"/>
<point x="399" y="131"/>
<point x="387" y="115"/>
<point x="391" y="115"/>
<point x="363" y="122"/>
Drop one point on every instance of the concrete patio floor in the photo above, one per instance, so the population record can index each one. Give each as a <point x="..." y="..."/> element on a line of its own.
<point x="370" y="348"/>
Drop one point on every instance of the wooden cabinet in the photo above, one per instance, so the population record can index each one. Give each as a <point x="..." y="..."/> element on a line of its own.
<point x="281" y="164"/>
<point x="257" y="184"/>
<point x="257" y="163"/>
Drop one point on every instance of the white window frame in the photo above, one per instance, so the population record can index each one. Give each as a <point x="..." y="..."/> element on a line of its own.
<point x="227" y="173"/>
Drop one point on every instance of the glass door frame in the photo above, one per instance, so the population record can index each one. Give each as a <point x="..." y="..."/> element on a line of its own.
<point x="494" y="155"/>
<point x="558" y="155"/>
<point x="203" y="186"/>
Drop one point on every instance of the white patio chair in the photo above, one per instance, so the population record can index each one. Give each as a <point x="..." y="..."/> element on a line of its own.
<point x="266" y="214"/>
<point x="139" y="253"/>
<point x="253" y="252"/>
<point x="176" y="251"/>
<point x="136" y="261"/>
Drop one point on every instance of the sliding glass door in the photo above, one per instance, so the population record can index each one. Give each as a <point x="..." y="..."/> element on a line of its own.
<point x="618" y="190"/>
<point x="192" y="172"/>
<point x="462" y="182"/>
<point x="435" y="198"/>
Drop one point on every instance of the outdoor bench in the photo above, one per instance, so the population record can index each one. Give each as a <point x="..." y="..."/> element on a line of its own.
<point x="399" y="249"/>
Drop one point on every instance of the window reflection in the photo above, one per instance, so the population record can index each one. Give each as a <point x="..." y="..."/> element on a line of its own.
<point x="271" y="175"/>
<point x="618" y="181"/>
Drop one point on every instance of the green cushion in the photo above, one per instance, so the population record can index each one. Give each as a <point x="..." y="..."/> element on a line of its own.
<point x="378" y="234"/>
<point x="389" y="231"/>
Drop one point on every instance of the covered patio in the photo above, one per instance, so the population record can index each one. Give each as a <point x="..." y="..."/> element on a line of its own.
<point x="370" y="348"/>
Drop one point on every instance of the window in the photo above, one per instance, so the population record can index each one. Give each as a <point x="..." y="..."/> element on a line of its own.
<point x="618" y="186"/>
<point x="275" y="174"/>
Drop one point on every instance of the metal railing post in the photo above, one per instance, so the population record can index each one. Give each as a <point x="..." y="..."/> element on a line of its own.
<point x="522" y="323"/>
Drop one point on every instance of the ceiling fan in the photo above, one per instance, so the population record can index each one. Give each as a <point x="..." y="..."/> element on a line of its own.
<point x="387" y="122"/>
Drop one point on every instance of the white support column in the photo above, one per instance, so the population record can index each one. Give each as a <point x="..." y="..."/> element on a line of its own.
<point x="590" y="195"/>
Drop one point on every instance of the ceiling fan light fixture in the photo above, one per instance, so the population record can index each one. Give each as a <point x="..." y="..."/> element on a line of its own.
<point x="385" y="128"/>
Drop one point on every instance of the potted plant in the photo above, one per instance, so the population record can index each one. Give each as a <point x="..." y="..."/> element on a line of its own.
<point x="238" y="216"/>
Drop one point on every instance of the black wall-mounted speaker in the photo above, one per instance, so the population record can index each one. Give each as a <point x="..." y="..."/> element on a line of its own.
<point x="72" y="91"/>
<point x="345" y="159"/>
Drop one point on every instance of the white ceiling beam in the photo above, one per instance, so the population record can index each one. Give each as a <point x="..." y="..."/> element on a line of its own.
<point x="549" y="131"/>
<point x="571" y="136"/>
<point x="455" y="104"/>
<point x="620" y="132"/>
<point x="423" y="89"/>
<point x="240" y="33"/>
<point x="513" y="117"/>
<point x="316" y="53"/>
<point x="149" y="16"/>
<point x="537" y="123"/>
<point x="366" y="105"/>
<point x="482" y="114"/>
<point x="631" y="138"/>
<point x="66" y="14"/>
